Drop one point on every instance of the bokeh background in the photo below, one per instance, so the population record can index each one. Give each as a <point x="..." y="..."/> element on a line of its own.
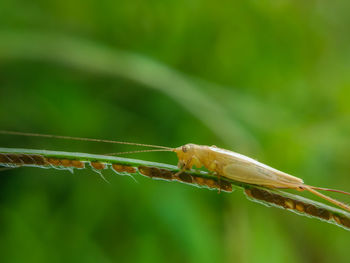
<point x="269" y="79"/>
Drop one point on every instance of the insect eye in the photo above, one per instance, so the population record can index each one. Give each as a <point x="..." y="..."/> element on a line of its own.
<point x="184" y="149"/>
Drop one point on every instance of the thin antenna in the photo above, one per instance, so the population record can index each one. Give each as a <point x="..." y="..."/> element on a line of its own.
<point x="79" y="139"/>
<point x="140" y="151"/>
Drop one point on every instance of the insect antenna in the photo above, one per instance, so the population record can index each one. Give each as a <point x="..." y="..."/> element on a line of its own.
<point x="79" y="139"/>
<point x="140" y="151"/>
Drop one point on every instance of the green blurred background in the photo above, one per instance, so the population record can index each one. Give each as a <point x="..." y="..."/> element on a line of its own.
<point x="269" y="79"/>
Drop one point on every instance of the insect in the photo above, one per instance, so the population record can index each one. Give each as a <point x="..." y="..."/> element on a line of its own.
<point x="244" y="169"/>
<point x="223" y="163"/>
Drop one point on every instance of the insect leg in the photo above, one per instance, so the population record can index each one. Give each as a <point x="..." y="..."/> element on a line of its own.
<point x="325" y="197"/>
<point x="213" y="167"/>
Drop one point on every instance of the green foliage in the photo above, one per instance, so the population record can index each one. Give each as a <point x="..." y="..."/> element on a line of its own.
<point x="268" y="79"/>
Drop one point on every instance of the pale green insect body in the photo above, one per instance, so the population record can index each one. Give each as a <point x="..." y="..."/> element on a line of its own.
<point x="234" y="166"/>
<point x="244" y="169"/>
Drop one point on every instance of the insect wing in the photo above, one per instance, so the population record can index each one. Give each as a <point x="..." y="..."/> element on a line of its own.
<point x="254" y="174"/>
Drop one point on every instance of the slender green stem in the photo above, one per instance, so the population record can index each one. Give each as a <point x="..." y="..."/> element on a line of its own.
<point x="270" y="197"/>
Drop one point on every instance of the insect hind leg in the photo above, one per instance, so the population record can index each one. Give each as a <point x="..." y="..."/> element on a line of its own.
<point x="324" y="197"/>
